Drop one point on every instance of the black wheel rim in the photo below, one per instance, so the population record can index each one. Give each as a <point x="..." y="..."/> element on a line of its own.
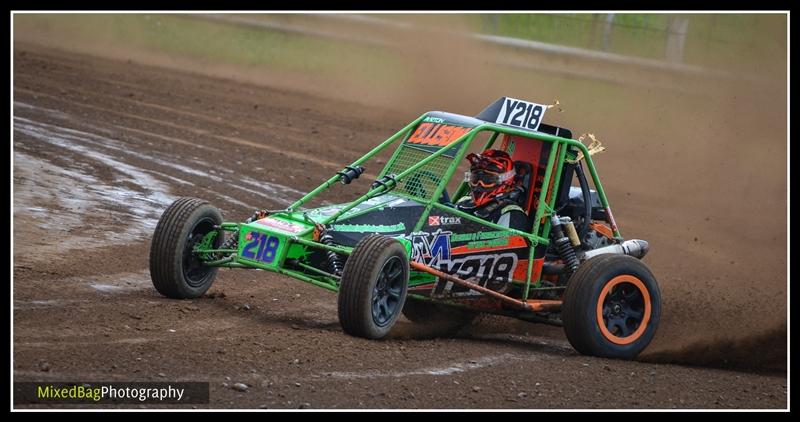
<point x="388" y="291"/>
<point x="623" y="310"/>
<point x="195" y="271"/>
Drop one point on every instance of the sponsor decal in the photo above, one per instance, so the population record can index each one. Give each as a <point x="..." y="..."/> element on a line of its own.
<point x="281" y="225"/>
<point x="374" y="201"/>
<point x="396" y="202"/>
<point x="482" y="244"/>
<point x="369" y="228"/>
<point x="521" y="114"/>
<point x="434" y="250"/>
<point x="611" y="220"/>
<point x="468" y="237"/>
<point x="326" y="211"/>
<point x="511" y="147"/>
<point x="430" y="248"/>
<point x="489" y="270"/>
<point x="509" y="242"/>
<point x="433" y="119"/>
<point x="436" y="134"/>
<point x="443" y="220"/>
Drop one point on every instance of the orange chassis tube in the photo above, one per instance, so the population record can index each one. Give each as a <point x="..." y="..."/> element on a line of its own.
<point x="535" y="305"/>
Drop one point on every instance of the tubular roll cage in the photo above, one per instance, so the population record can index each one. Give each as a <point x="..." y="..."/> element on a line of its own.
<point x="540" y="231"/>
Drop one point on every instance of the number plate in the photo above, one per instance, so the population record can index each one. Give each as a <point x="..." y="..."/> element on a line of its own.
<point x="263" y="249"/>
<point x="521" y="114"/>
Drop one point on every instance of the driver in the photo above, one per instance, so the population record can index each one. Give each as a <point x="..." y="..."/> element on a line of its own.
<point x="495" y="194"/>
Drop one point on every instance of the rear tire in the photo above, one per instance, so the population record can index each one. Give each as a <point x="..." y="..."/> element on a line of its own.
<point x="446" y="320"/>
<point x="176" y="272"/>
<point x="612" y="307"/>
<point x="373" y="287"/>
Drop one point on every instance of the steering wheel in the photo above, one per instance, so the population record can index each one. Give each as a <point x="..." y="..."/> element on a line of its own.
<point x="583" y="215"/>
<point x="415" y="187"/>
<point x="586" y="213"/>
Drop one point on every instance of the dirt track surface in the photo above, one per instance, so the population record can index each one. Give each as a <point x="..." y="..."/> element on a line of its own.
<point x="101" y="147"/>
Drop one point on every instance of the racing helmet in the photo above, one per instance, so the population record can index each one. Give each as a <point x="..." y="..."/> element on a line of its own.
<point x="491" y="173"/>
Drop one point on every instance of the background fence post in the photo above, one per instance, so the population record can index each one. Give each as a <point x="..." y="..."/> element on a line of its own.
<point x="607" y="28"/>
<point x="676" y="38"/>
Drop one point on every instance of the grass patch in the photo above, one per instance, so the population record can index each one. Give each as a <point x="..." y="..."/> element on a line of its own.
<point x="215" y="42"/>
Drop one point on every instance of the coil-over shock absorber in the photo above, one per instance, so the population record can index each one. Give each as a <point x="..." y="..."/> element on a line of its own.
<point x="334" y="260"/>
<point x="563" y="244"/>
<point x="232" y="242"/>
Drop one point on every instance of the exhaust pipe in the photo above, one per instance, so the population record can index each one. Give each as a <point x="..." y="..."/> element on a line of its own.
<point x="634" y="247"/>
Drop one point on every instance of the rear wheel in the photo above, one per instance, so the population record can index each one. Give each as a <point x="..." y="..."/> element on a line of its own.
<point x="612" y="307"/>
<point x="444" y="319"/>
<point x="176" y="272"/>
<point x="373" y="287"/>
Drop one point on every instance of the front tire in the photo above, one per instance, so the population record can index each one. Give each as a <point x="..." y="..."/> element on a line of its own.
<point x="612" y="307"/>
<point x="176" y="272"/>
<point x="373" y="287"/>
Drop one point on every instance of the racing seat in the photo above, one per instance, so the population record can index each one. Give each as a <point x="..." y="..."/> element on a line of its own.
<point x="530" y="161"/>
<point x="530" y="157"/>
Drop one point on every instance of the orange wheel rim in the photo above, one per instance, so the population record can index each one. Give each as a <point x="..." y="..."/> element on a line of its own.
<point x="623" y="303"/>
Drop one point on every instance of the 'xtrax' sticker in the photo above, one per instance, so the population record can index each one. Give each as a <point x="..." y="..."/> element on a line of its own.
<point x="521" y="113"/>
<point x="443" y="220"/>
<point x="260" y="247"/>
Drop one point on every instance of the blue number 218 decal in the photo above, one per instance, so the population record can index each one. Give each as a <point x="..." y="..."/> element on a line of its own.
<point x="265" y="247"/>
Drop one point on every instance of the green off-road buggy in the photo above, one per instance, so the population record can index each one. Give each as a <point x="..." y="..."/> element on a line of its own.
<point x="403" y="247"/>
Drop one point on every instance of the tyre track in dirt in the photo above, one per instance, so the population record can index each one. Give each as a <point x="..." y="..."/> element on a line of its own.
<point x="195" y="133"/>
<point x="263" y="117"/>
<point x="93" y="315"/>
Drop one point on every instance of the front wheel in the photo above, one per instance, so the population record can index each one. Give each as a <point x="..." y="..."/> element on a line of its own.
<point x="612" y="307"/>
<point x="373" y="287"/>
<point x="175" y="270"/>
